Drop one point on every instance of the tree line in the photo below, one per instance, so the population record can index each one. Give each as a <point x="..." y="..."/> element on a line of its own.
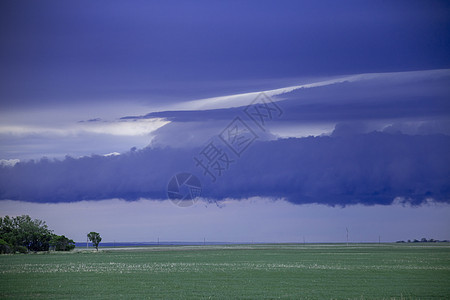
<point x="23" y="234"/>
<point x="424" y="240"/>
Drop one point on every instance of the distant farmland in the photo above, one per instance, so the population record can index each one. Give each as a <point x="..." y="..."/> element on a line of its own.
<point x="311" y="271"/>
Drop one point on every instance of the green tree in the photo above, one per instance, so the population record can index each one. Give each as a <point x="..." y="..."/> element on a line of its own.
<point x="95" y="238"/>
<point x="62" y="243"/>
<point x="23" y="232"/>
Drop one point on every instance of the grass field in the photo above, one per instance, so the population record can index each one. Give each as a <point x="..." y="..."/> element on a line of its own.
<point x="311" y="271"/>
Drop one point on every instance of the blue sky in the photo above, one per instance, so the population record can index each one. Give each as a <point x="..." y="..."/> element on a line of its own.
<point x="119" y="97"/>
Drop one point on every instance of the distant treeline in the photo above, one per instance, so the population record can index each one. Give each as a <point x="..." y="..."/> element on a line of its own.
<point x="23" y="234"/>
<point x="424" y="240"/>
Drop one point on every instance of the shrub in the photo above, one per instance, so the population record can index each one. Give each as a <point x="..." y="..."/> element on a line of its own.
<point x="21" y="249"/>
<point x="61" y="243"/>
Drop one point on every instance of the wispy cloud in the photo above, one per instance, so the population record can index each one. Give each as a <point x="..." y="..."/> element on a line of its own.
<point x="33" y="141"/>
<point x="245" y="98"/>
<point x="8" y="162"/>
<point x="119" y="128"/>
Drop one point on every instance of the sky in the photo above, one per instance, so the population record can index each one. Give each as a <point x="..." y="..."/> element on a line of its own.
<point x="231" y="121"/>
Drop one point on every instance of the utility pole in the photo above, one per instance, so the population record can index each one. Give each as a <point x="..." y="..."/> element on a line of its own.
<point x="347" y="234"/>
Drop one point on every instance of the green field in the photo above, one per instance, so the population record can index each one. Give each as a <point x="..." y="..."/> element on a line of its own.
<point x="311" y="271"/>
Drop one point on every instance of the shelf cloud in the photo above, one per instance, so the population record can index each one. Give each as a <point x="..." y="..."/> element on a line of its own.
<point x="372" y="168"/>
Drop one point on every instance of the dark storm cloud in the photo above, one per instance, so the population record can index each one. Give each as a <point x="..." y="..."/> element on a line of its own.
<point x="369" y="169"/>
<point x="53" y="51"/>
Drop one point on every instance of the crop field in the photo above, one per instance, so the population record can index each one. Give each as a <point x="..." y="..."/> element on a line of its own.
<point x="310" y="271"/>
